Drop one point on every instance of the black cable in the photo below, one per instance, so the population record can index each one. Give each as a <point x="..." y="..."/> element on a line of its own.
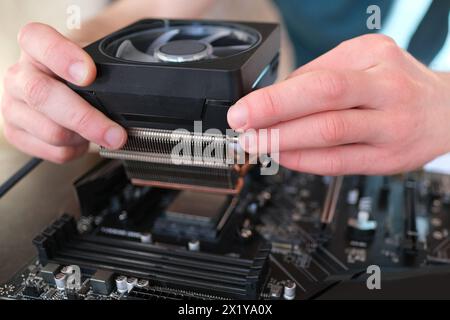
<point x="19" y="175"/>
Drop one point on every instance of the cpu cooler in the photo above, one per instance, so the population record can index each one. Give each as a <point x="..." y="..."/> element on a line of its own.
<point x="157" y="76"/>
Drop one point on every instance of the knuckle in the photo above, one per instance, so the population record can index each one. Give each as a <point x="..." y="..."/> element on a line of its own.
<point x="334" y="165"/>
<point x="12" y="71"/>
<point x="6" y="108"/>
<point x="346" y="44"/>
<point x="63" y="155"/>
<point x="50" y="50"/>
<point x="27" y="32"/>
<point x="389" y="51"/>
<point x="298" y="160"/>
<point x="36" y="91"/>
<point x="332" y="85"/>
<point x="56" y="135"/>
<point x="368" y="41"/>
<point x="269" y="100"/>
<point x="364" y="163"/>
<point x="10" y="75"/>
<point x="332" y="129"/>
<point x="82" y="120"/>
<point x="9" y="134"/>
<point x="382" y="39"/>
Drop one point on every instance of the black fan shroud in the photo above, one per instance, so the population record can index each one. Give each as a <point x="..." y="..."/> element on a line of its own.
<point x="180" y="43"/>
<point x="199" y="72"/>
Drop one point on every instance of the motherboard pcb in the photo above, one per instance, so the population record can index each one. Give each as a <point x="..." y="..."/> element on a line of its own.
<point x="287" y="236"/>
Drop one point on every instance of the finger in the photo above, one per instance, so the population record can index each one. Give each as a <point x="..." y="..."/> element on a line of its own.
<point x="21" y="116"/>
<point x="333" y="161"/>
<point x="35" y="147"/>
<point x="63" y="57"/>
<point x="347" y="55"/>
<point x="320" y="130"/>
<point x="56" y="101"/>
<point x="306" y="94"/>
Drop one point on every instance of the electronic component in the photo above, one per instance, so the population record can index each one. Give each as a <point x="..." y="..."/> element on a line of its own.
<point x="60" y="281"/>
<point x="102" y="281"/>
<point x="131" y="283"/>
<point x="411" y="233"/>
<point x="121" y="284"/>
<point x="142" y="283"/>
<point x="146" y="237"/>
<point x="49" y="272"/>
<point x="289" y="290"/>
<point x="362" y="227"/>
<point x="197" y="208"/>
<point x="194" y="245"/>
<point x="32" y="291"/>
<point x="196" y="215"/>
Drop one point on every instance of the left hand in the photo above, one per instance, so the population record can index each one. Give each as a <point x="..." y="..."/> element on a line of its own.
<point x="365" y="107"/>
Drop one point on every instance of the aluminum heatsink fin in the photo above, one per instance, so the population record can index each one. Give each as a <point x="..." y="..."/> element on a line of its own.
<point x="215" y="163"/>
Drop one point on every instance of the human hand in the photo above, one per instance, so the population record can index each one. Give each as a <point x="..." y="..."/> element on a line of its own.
<point x="365" y="107"/>
<point x="43" y="117"/>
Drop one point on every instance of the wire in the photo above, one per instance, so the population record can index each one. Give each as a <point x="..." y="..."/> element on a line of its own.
<point x="19" y="175"/>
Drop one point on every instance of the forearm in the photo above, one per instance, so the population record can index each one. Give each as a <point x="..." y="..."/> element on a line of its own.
<point x="124" y="12"/>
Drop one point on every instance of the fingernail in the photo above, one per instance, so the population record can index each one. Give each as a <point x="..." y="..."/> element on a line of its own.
<point x="78" y="72"/>
<point x="237" y="117"/>
<point x="114" y="137"/>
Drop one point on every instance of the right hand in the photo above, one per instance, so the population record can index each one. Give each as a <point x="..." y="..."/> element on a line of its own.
<point x="44" y="117"/>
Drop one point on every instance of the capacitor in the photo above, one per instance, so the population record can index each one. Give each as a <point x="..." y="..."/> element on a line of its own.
<point x="131" y="283"/>
<point x="289" y="290"/>
<point x="142" y="283"/>
<point x="60" y="281"/>
<point x="194" y="245"/>
<point x="146" y="238"/>
<point x="275" y="291"/>
<point x="121" y="284"/>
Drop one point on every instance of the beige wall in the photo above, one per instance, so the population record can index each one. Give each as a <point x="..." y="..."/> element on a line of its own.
<point x="16" y="13"/>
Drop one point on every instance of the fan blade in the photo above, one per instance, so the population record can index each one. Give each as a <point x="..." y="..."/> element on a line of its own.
<point x="162" y="39"/>
<point x="230" y="49"/>
<point x="128" y="51"/>
<point x="216" y="36"/>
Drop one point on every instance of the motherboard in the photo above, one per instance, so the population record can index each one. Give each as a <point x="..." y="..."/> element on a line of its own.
<point x="287" y="236"/>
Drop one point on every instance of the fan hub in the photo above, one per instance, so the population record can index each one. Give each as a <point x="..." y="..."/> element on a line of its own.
<point x="183" y="51"/>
